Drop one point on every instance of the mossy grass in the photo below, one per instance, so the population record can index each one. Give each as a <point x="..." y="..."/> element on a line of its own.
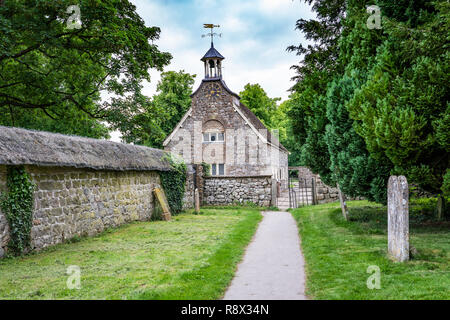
<point x="190" y="257"/>
<point x="338" y="253"/>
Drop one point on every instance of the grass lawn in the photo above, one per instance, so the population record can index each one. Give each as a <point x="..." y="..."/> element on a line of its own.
<point x="190" y="257"/>
<point x="338" y="253"/>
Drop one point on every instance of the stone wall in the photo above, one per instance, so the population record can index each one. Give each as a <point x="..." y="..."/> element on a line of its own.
<point x="325" y="193"/>
<point x="188" y="199"/>
<point x="72" y="202"/>
<point x="230" y="190"/>
<point x="4" y="230"/>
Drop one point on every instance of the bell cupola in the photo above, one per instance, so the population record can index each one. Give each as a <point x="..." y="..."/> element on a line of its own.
<point x="213" y="63"/>
<point x="212" y="59"/>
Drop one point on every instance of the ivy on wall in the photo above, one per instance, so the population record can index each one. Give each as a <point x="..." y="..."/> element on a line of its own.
<point x="17" y="205"/>
<point x="173" y="183"/>
<point x="206" y="169"/>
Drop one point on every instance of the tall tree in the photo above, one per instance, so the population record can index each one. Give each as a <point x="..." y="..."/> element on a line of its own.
<point x="356" y="172"/>
<point x="317" y="68"/>
<point x="71" y="122"/>
<point x="386" y="99"/>
<point x="273" y="116"/>
<point x="257" y="100"/>
<point x="174" y="96"/>
<point x="49" y="66"/>
<point x="152" y="119"/>
<point x="402" y="110"/>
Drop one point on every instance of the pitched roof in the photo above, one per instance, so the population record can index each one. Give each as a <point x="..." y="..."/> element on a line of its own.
<point x="212" y="53"/>
<point x="259" y="125"/>
<point x="28" y="147"/>
<point x="252" y="118"/>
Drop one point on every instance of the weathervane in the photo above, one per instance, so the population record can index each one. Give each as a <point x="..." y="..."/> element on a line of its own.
<point x="211" y="33"/>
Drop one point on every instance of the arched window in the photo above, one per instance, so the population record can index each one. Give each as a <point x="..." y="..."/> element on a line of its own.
<point x="213" y="131"/>
<point x="212" y="68"/>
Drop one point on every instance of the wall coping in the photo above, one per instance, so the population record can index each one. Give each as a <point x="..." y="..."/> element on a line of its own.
<point x="237" y="177"/>
<point x="29" y="147"/>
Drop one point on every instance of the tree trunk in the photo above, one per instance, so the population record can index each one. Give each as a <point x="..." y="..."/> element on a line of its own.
<point x="440" y="208"/>
<point x="343" y="203"/>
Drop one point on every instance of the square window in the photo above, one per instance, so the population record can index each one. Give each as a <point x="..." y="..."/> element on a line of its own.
<point x="213" y="169"/>
<point x="206" y="137"/>
<point x="213" y="137"/>
<point x="221" y="169"/>
<point x="220" y="137"/>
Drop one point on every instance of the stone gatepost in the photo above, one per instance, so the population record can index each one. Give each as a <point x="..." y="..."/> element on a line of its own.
<point x="398" y="218"/>
<point x="197" y="201"/>
<point x="274" y="193"/>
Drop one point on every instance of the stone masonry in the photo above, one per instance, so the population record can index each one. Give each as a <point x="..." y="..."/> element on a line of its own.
<point x="245" y="148"/>
<point x="72" y="202"/>
<point x="230" y="190"/>
<point x="4" y="230"/>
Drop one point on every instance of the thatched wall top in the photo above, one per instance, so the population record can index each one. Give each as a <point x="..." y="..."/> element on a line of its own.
<point x="28" y="147"/>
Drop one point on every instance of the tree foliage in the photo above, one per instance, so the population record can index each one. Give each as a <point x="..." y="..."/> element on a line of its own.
<point x="17" y="205"/>
<point x="401" y="110"/>
<point x="273" y="115"/>
<point x="173" y="183"/>
<point x="257" y="100"/>
<point x="52" y="70"/>
<point x="368" y="102"/>
<point x="150" y="120"/>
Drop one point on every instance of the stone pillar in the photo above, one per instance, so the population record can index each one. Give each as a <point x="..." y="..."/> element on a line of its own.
<point x="398" y="218"/>
<point x="273" y="200"/>
<point x="197" y="201"/>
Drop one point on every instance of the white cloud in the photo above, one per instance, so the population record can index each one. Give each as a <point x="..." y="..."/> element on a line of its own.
<point x="276" y="6"/>
<point x="274" y="79"/>
<point x="246" y="27"/>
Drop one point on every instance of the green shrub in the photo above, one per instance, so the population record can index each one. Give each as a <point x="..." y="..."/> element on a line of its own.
<point x="173" y="183"/>
<point x="157" y="214"/>
<point x="206" y="169"/>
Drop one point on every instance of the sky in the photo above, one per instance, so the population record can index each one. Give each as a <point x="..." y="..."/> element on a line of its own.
<point x="255" y="35"/>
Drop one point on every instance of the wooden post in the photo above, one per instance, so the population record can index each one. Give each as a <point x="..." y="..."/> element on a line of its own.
<point x="161" y="197"/>
<point x="314" y="194"/>
<point x="343" y="203"/>
<point x="398" y="218"/>
<point x="440" y="210"/>
<point x="197" y="201"/>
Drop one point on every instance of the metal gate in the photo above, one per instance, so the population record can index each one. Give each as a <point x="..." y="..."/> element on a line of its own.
<point x="302" y="191"/>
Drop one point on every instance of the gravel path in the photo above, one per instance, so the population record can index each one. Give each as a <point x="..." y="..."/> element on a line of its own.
<point x="273" y="265"/>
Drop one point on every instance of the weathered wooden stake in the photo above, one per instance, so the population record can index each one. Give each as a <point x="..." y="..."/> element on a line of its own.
<point x="440" y="205"/>
<point x="197" y="201"/>
<point x="161" y="197"/>
<point x="343" y="203"/>
<point x="314" y="192"/>
<point x="398" y="218"/>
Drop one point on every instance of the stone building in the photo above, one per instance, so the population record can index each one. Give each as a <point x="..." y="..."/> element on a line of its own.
<point x="222" y="132"/>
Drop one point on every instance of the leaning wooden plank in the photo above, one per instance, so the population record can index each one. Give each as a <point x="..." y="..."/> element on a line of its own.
<point x="161" y="197"/>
